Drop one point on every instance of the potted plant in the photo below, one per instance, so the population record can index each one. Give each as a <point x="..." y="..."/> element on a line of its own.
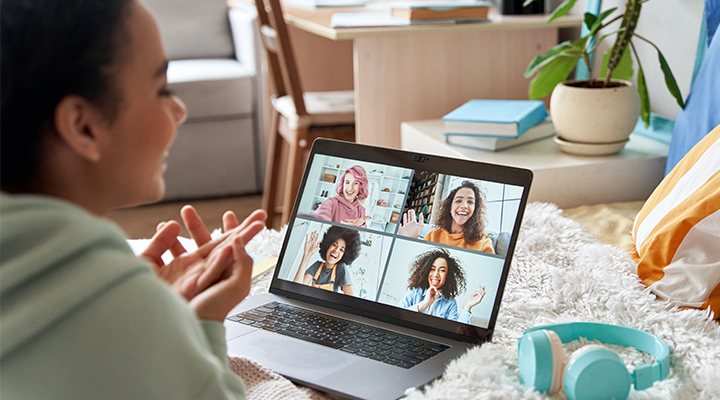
<point x="596" y="116"/>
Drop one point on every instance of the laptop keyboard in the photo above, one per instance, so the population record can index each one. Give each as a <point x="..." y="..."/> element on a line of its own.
<point x="349" y="336"/>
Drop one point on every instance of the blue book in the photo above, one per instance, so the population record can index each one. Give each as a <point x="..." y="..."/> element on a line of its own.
<point x="495" y="118"/>
<point x="661" y="128"/>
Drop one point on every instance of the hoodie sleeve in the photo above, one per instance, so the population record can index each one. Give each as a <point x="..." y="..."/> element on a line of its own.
<point x="138" y="340"/>
<point x="326" y="210"/>
<point x="85" y="318"/>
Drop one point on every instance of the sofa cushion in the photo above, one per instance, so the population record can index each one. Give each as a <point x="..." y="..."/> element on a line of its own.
<point x="676" y="234"/>
<point x="216" y="158"/>
<point x="212" y="87"/>
<point x="193" y="28"/>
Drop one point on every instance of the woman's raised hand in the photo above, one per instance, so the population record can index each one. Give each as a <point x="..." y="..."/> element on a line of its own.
<point x="430" y="296"/>
<point x="474" y="299"/>
<point x="357" y="221"/>
<point x="411" y="226"/>
<point x="311" y="245"/>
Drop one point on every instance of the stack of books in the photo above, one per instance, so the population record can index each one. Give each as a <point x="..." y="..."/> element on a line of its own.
<point x="497" y="124"/>
<point x="442" y="10"/>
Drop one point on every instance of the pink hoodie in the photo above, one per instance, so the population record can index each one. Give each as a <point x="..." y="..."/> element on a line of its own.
<point x="338" y="209"/>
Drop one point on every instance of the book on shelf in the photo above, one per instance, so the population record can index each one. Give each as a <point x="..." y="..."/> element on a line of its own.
<point x="312" y="4"/>
<point x="495" y="118"/>
<point x="376" y="18"/>
<point x="452" y="10"/>
<point x="540" y="131"/>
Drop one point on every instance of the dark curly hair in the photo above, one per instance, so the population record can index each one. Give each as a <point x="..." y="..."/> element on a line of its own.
<point x="52" y="49"/>
<point x="352" y="243"/>
<point x="420" y="269"/>
<point x="474" y="228"/>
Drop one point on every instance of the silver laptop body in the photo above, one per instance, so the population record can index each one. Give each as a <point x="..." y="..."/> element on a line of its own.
<point x="375" y="344"/>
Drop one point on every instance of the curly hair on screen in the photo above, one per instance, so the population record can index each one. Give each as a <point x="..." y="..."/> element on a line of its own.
<point x="420" y="270"/>
<point x="352" y="243"/>
<point x="474" y="228"/>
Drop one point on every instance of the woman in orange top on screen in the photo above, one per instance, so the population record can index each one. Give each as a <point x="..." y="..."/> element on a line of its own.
<point x="460" y="221"/>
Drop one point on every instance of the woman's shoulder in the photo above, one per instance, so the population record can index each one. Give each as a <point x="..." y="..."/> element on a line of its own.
<point x="434" y="234"/>
<point x="42" y="236"/>
<point x="28" y="214"/>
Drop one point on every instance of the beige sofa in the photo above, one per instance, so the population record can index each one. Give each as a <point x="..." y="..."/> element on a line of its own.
<point x="214" y="68"/>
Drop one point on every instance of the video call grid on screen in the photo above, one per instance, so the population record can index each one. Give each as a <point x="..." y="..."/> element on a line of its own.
<point x="393" y="266"/>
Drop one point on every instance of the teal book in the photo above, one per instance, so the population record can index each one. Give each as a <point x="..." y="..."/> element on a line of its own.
<point x="494" y="118"/>
<point x="661" y="128"/>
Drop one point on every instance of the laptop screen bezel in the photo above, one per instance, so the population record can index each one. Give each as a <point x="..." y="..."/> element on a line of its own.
<point x="388" y="313"/>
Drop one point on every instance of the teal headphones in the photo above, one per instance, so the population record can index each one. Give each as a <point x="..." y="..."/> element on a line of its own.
<point x="592" y="372"/>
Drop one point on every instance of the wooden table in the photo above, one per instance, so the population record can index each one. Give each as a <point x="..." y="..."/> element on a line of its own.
<point x="420" y="71"/>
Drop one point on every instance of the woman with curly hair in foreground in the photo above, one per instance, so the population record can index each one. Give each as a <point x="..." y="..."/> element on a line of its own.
<point x="436" y="278"/>
<point x="338" y="248"/>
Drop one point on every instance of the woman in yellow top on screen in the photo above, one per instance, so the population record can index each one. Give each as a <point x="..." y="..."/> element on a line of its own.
<point x="460" y="221"/>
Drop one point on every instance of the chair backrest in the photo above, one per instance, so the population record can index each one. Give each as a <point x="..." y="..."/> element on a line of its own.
<point x="281" y="59"/>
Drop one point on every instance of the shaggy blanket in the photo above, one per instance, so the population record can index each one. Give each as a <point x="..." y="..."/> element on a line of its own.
<point x="562" y="273"/>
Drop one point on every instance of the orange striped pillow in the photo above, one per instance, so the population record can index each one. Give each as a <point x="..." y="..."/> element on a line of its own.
<point x="677" y="232"/>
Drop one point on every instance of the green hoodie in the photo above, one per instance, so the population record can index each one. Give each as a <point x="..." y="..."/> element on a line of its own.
<point x="82" y="318"/>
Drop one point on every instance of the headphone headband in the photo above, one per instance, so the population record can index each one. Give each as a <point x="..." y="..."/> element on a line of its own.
<point x="644" y="374"/>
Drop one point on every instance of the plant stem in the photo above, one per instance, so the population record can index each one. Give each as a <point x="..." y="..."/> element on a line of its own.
<point x="611" y="21"/>
<point x="586" y="58"/>
<point x="647" y="41"/>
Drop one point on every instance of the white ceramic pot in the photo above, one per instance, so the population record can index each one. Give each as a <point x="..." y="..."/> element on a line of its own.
<point x="594" y="115"/>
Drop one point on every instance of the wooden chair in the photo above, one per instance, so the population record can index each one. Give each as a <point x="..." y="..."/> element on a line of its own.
<point x="297" y="118"/>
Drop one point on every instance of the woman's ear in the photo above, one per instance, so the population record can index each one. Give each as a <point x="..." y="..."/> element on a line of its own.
<point x="80" y="124"/>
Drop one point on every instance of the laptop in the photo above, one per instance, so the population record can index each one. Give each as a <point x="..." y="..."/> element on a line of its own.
<point x="368" y="299"/>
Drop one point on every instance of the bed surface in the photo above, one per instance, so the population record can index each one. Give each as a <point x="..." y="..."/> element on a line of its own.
<point x="561" y="272"/>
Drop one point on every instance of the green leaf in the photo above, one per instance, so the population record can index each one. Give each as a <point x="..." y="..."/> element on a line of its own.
<point x="590" y="20"/>
<point x="555" y="72"/>
<point x="627" y="28"/>
<point x="562" y="9"/>
<point x="527" y="2"/>
<point x="599" y="21"/>
<point x="542" y="60"/>
<point x="644" y="97"/>
<point x="670" y="80"/>
<point x="624" y="69"/>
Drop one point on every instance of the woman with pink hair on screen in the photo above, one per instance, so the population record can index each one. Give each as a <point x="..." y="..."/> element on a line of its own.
<point x="346" y="207"/>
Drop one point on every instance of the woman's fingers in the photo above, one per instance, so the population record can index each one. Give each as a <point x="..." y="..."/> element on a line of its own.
<point x="255" y="216"/>
<point x="230" y="221"/>
<point x="195" y="225"/>
<point x="216" y="264"/>
<point x="165" y="238"/>
<point x="251" y="230"/>
<point x="243" y="263"/>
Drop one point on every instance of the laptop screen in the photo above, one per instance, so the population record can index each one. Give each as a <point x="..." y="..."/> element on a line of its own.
<point x="412" y="238"/>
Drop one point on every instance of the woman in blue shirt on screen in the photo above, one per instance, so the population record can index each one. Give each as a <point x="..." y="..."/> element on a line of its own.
<point x="436" y="278"/>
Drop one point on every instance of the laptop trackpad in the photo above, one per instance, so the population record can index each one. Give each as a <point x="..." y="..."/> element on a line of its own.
<point x="291" y="357"/>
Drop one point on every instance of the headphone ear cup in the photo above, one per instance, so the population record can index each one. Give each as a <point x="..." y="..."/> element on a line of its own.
<point x="541" y="360"/>
<point x="596" y="372"/>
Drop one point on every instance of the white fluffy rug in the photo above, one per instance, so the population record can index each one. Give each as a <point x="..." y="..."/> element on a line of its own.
<point x="562" y="273"/>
